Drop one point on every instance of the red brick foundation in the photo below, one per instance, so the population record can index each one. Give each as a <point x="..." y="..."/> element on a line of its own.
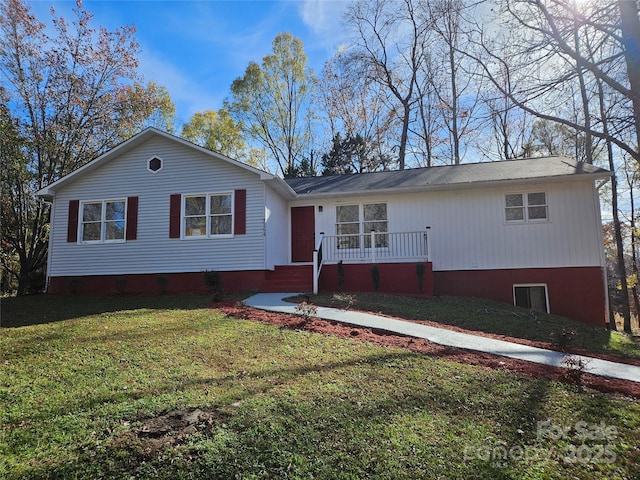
<point x="574" y="292"/>
<point x="401" y="278"/>
<point x="153" y="284"/>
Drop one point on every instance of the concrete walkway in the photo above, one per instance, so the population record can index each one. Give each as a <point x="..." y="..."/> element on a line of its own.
<point x="274" y="302"/>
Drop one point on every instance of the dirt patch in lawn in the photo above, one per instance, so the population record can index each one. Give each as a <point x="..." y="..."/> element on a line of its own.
<point x="174" y="428"/>
<point x="587" y="381"/>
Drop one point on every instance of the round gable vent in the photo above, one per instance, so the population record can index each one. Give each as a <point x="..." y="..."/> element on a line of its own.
<point x="155" y="164"/>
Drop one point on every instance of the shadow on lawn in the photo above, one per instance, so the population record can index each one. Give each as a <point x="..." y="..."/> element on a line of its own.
<point x="356" y="421"/>
<point x="41" y="309"/>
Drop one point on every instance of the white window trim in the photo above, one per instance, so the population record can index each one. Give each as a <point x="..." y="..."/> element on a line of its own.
<point x="161" y="164"/>
<point x="361" y="222"/>
<point x="103" y="222"/>
<point x="546" y="292"/>
<point x="525" y="206"/>
<point x="183" y="233"/>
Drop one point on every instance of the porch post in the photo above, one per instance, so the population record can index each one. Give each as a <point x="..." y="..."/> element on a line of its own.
<point x="428" y="238"/>
<point x="373" y="246"/>
<point x="315" y="272"/>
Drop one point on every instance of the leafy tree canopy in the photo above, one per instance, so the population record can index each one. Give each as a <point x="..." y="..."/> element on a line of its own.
<point x="216" y="131"/>
<point x="71" y="93"/>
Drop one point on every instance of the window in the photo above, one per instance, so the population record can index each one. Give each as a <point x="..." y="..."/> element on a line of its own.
<point x="208" y="215"/>
<point x="354" y="220"/>
<point x="526" y="207"/>
<point x="103" y="221"/>
<point x="348" y="226"/>
<point x="533" y="297"/>
<point x="155" y="164"/>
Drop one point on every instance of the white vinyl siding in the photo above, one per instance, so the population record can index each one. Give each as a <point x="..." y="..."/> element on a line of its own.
<point x="275" y="227"/>
<point x="468" y="229"/>
<point x="184" y="171"/>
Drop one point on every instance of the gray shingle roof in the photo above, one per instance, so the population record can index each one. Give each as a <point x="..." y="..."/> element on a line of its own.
<point x="447" y="176"/>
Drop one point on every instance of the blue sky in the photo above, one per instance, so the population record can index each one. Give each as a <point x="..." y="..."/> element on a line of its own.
<point x="197" y="48"/>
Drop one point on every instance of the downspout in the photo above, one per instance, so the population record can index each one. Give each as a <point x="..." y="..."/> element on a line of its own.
<point x="50" y="241"/>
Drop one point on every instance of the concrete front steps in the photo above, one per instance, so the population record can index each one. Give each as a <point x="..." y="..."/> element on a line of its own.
<point x="289" y="278"/>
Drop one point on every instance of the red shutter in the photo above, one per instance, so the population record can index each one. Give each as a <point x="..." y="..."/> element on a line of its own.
<point x="132" y="218"/>
<point x="175" y="205"/>
<point x="72" y="225"/>
<point x="240" y="213"/>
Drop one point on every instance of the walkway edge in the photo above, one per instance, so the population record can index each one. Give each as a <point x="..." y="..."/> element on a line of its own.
<point x="274" y="302"/>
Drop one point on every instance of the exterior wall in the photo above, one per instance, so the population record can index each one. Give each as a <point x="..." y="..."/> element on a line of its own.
<point x="184" y="171"/>
<point x="276" y="227"/>
<point x="576" y="293"/>
<point x="156" y="284"/>
<point x="474" y="252"/>
<point x="468" y="228"/>
<point x="400" y="278"/>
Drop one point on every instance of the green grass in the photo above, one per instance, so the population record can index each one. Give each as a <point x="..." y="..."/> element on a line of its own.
<point x="288" y="404"/>
<point x="491" y="317"/>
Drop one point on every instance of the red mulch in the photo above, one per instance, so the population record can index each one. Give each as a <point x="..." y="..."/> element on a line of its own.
<point x="589" y="381"/>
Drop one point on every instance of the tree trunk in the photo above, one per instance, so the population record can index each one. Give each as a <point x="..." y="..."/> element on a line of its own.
<point x="616" y="218"/>
<point x="405" y="134"/>
<point x="454" y="108"/>
<point x="630" y="25"/>
<point x="634" y="250"/>
<point x="622" y="270"/>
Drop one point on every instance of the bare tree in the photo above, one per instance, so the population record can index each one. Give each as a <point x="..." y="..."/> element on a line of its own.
<point x="389" y="46"/>
<point x="540" y="57"/>
<point x="456" y="81"/>
<point x="354" y="104"/>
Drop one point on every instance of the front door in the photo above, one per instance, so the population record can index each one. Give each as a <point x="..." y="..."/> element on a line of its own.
<point x="303" y="234"/>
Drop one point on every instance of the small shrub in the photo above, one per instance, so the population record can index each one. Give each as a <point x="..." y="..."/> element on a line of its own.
<point x="375" y="277"/>
<point x="213" y="280"/>
<point x="420" y="269"/>
<point x="576" y="367"/>
<point x="72" y="285"/>
<point x="346" y="298"/>
<point x="37" y="281"/>
<point x="340" y="276"/>
<point x="162" y="282"/>
<point x="307" y="311"/>
<point x="121" y="284"/>
<point x="564" y="338"/>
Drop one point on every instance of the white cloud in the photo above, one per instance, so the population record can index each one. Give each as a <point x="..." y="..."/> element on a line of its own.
<point x="322" y="16"/>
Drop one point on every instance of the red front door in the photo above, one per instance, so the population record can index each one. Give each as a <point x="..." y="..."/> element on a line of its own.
<point x="303" y="234"/>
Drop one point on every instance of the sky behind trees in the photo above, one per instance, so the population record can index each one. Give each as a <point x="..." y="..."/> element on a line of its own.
<point x="197" y="48"/>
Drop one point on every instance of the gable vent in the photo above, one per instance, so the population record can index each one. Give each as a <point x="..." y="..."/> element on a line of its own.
<point x="155" y="164"/>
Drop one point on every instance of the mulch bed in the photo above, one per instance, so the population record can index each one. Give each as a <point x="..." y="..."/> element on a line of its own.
<point x="424" y="347"/>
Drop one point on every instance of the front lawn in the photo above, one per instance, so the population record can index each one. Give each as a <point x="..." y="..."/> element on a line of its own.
<point x="109" y="391"/>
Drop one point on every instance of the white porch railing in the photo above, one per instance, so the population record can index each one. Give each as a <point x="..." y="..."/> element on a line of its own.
<point x="369" y="247"/>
